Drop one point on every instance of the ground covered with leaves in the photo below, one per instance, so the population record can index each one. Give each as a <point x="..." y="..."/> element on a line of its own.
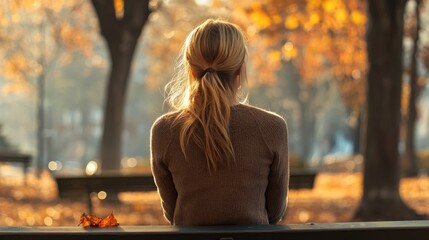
<point x="334" y="198"/>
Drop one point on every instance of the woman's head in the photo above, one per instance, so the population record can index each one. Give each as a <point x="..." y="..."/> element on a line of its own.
<point x="216" y="49"/>
<point x="209" y="73"/>
<point x="218" y="46"/>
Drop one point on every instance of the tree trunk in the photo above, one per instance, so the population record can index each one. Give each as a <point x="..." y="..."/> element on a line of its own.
<point x="359" y="133"/>
<point x="41" y="163"/>
<point x="121" y="35"/>
<point x="410" y="168"/>
<point x="381" y="198"/>
<point x="307" y="130"/>
<point x="111" y="142"/>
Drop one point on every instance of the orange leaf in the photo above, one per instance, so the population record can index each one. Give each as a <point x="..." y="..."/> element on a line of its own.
<point x="87" y="220"/>
<point x="109" y="221"/>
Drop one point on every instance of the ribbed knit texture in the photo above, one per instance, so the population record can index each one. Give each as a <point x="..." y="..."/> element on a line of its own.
<point x="253" y="190"/>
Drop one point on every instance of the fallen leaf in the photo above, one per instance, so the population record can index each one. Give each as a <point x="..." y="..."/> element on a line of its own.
<point x="88" y="220"/>
<point x="109" y="221"/>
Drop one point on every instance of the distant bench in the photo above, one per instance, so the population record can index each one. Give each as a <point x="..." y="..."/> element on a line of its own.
<point x="302" y="178"/>
<point x="82" y="186"/>
<point x="15" y="157"/>
<point x="389" y="230"/>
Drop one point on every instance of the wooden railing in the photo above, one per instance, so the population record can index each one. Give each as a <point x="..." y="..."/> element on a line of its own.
<point x="395" y="230"/>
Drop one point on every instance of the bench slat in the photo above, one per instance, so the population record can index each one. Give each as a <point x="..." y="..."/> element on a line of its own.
<point x="82" y="186"/>
<point x="78" y="186"/>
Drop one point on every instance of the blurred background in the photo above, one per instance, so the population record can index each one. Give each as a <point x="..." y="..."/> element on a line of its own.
<point x="307" y="62"/>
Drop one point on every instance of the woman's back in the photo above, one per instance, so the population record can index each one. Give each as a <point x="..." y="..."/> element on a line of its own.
<point x="250" y="190"/>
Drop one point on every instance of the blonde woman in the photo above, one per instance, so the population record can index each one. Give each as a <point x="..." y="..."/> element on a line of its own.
<point x="217" y="161"/>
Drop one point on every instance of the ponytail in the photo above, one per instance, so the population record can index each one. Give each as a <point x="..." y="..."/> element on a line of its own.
<point x="211" y="113"/>
<point x="205" y="86"/>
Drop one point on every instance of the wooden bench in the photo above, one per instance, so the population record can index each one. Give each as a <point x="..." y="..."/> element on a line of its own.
<point x="76" y="187"/>
<point x="16" y="157"/>
<point x="391" y="230"/>
<point x="82" y="186"/>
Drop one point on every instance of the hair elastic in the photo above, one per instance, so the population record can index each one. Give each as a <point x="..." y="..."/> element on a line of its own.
<point x="209" y="70"/>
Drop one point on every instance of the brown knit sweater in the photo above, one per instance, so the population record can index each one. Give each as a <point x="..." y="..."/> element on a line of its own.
<point x="252" y="191"/>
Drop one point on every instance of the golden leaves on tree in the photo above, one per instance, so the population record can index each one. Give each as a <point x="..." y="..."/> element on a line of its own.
<point x="16" y="5"/>
<point x="17" y="69"/>
<point x="358" y="17"/>
<point x="32" y="32"/>
<point x="319" y="36"/>
<point x="31" y="5"/>
<point x="261" y="19"/>
<point x="119" y="8"/>
<point x="74" y="37"/>
<point x="291" y="22"/>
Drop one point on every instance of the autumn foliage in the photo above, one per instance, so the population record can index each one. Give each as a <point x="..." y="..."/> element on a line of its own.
<point x="34" y="35"/>
<point x="320" y="38"/>
<point x="88" y="220"/>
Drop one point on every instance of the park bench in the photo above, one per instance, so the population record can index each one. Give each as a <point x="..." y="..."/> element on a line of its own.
<point x="16" y="157"/>
<point x="81" y="186"/>
<point x="302" y="178"/>
<point x="391" y="230"/>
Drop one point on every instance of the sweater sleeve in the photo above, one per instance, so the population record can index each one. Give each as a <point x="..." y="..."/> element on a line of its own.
<point x="278" y="179"/>
<point x="159" y="140"/>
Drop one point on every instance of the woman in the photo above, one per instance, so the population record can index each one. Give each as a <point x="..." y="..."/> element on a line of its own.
<point x="217" y="161"/>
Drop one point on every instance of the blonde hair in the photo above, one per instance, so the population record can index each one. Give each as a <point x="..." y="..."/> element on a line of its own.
<point x="212" y="58"/>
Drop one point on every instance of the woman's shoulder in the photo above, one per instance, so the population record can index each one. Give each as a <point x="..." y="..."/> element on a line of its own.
<point x="273" y="126"/>
<point x="165" y="121"/>
<point x="263" y="115"/>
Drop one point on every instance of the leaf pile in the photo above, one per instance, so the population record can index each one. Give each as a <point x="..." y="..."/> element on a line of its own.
<point x="88" y="220"/>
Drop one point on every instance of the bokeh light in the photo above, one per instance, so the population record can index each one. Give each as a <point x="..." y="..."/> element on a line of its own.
<point x="102" y="195"/>
<point x="55" y="165"/>
<point x="91" y="168"/>
<point x="48" y="221"/>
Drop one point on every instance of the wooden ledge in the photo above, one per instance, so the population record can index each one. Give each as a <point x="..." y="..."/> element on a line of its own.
<point x="391" y="230"/>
